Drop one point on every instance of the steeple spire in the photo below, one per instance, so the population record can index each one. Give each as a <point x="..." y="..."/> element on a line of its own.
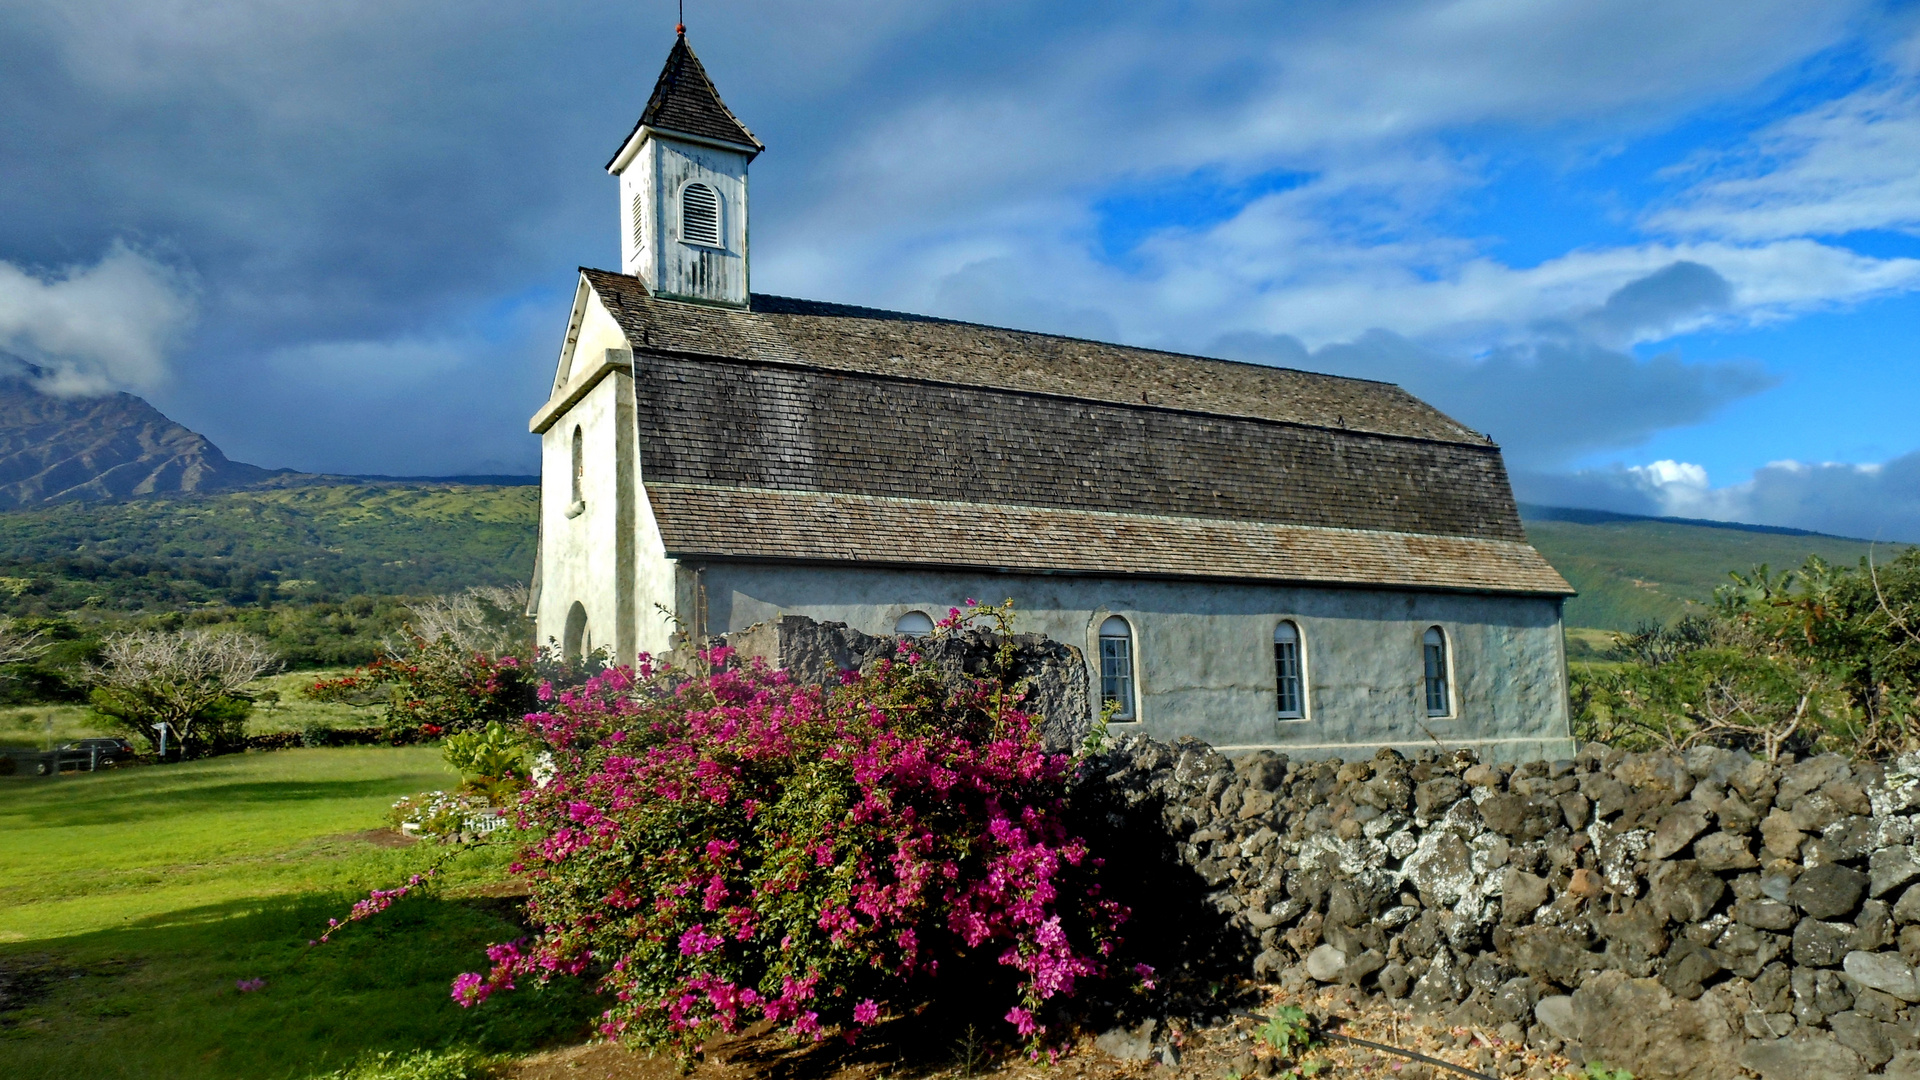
<point x="683" y="188"/>
<point x="684" y="102"/>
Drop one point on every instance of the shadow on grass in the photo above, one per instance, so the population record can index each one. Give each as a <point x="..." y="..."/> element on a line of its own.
<point x="127" y="805"/>
<point x="158" y="998"/>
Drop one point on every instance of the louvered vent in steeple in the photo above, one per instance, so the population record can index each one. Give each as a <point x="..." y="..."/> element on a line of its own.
<point x="700" y="215"/>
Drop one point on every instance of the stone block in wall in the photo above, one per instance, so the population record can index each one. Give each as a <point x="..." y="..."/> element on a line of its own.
<point x="1621" y="1019"/>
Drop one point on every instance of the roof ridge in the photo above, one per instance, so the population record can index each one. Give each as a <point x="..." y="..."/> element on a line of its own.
<point x="909" y="316"/>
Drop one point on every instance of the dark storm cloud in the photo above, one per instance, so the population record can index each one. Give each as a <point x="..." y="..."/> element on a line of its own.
<point x="1654" y="305"/>
<point x="382" y="203"/>
<point x="1544" y="403"/>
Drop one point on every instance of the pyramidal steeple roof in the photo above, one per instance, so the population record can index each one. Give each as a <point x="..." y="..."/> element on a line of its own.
<point x="685" y="101"/>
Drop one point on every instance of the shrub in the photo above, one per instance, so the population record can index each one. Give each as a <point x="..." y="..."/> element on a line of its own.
<point x="492" y="754"/>
<point x="436" y="687"/>
<point x="723" y="845"/>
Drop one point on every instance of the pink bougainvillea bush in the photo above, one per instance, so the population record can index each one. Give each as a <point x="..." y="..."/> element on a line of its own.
<point x="723" y="846"/>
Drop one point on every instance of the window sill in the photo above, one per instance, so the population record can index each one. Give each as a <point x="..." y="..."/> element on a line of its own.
<point x="576" y="508"/>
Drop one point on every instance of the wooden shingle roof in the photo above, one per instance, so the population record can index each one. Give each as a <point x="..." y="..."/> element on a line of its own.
<point x="895" y="344"/>
<point x="685" y="100"/>
<point x="797" y="430"/>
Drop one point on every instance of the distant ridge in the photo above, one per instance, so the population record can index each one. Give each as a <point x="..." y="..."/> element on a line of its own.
<point x="56" y="449"/>
<point x="1577" y="516"/>
<point x="471" y="479"/>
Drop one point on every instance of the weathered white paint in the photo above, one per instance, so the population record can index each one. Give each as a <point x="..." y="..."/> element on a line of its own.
<point x="605" y="552"/>
<point x="651" y="179"/>
<point x="1204" y="651"/>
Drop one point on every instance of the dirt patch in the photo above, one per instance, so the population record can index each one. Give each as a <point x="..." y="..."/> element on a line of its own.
<point x="29" y="979"/>
<point x="386" y="838"/>
<point x="915" y="1049"/>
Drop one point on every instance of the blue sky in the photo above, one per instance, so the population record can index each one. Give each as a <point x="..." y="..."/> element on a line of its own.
<point x="1667" y="254"/>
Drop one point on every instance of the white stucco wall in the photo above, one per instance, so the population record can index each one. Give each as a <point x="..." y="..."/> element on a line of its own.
<point x="579" y="557"/>
<point x="1205" y="651"/>
<point x="669" y="267"/>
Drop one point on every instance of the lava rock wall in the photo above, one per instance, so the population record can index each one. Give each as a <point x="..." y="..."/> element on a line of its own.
<point x="1697" y="915"/>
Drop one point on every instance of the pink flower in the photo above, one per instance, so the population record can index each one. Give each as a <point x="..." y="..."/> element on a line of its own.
<point x="470" y="989"/>
<point x="866" y="1012"/>
<point x="1022" y="1021"/>
<point x="696" y="941"/>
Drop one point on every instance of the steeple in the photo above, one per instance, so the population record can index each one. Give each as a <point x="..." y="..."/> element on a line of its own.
<point x="683" y="188"/>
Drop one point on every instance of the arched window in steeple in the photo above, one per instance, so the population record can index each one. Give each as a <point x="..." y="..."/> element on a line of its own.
<point x="700" y="215"/>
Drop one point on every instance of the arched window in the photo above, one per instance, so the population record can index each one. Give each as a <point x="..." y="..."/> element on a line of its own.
<point x="579" y="462"/>
<point x="1116" y="667"/>
<point x="639" y="224"/>
<point x="1434" y="646"/>
<point x="575" y="644"/>
<point x="700" y="215"/>
<point x="914" y="624"/>
<point x="577" y="505"/>
<point x="1292" y="693"/>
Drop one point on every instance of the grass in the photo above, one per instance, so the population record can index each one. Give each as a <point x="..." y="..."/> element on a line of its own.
<point x="1635" y="571"/>
<point x="132" y="901"/>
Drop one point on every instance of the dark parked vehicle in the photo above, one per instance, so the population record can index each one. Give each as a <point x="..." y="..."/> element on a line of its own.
<point x="106" y="751"/>
<point x="83" y="755"/>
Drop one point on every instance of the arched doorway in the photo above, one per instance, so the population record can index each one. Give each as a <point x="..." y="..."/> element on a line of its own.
<point x="575" y="644"/>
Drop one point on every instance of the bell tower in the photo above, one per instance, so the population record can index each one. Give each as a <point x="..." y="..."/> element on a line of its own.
<point x="683" y="189"/>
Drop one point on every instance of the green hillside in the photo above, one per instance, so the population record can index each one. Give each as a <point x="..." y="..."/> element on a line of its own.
<point x="248" y="548"/>
<point x="301" y="546"/>
<point x="1634" y="570"/>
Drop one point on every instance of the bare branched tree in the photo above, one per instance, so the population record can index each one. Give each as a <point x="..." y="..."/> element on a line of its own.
<point x="176" y="677"/>
<point x="18" y="645"/>
<point x="489" y="619"/>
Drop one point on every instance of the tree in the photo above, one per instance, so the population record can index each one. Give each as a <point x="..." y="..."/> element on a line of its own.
<point x="483" y="619"/>
<point x="191" y="680"/>
<point x="18" y="644"/>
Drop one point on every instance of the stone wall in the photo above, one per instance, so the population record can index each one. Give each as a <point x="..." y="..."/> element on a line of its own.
<point x="1702" y="915"/>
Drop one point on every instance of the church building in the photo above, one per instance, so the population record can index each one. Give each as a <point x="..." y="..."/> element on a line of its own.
<point x="1259" y="557"/>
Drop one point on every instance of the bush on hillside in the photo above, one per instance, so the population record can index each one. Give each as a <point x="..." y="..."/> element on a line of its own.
<point x="722" y="846"/>
<point x="1820" y="658"/>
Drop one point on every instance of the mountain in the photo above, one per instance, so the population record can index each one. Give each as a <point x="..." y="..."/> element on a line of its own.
<point x="55" y="449"/>
<point x="1631" y="570"/>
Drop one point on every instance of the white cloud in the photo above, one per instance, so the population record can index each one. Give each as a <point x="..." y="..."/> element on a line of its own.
<point x="91" y="329"/>
<point x="1877" y="501"/>
<point x="1845" y="165"/>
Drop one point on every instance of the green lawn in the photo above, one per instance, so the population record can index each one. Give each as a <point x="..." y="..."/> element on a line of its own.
<point x="131" y="902"/>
